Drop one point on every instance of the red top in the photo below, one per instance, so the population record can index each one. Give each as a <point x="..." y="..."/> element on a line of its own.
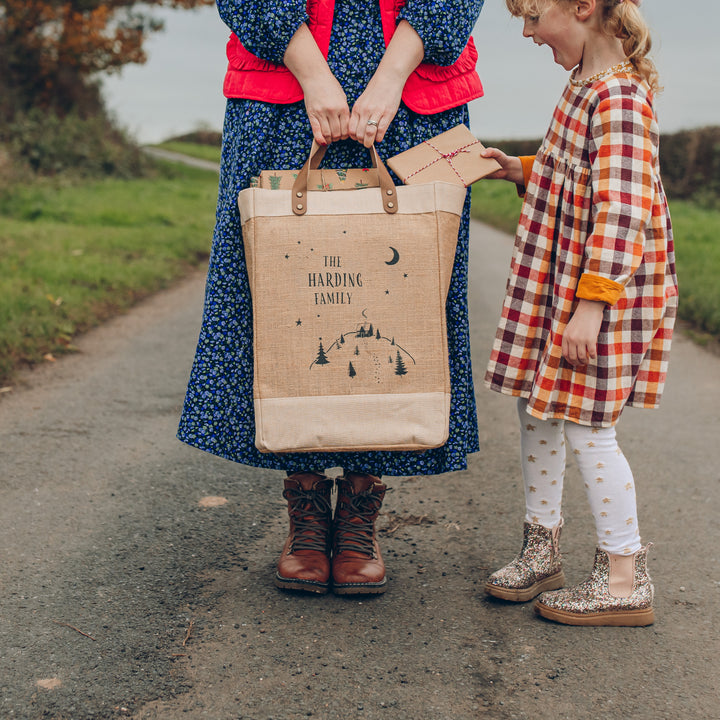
<point x="429" y="89"/>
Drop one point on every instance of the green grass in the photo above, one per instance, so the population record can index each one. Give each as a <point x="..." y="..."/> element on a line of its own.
<point x="196" y="150"/>
<point x="697" y="249"/>
<point x="75" y="255"/>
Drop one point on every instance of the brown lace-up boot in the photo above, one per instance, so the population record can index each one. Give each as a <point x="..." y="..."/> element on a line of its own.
<point x="357" y="567"/>
<point x="305" y="560"/>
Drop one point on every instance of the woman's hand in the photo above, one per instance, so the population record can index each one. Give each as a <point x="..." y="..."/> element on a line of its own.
<point x="327" y="109"/>
<point x="510" y="166"/>
<point x="375" y="109"/>
<point x="325" y="101"/>
<point x="579" y="341"/>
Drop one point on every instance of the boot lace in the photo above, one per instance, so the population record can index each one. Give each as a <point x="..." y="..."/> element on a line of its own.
<point x="354" y="525"/>
<point x="310" y="512"/>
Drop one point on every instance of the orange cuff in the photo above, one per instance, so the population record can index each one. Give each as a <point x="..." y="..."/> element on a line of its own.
<point x="594" y="287"/>
<point x="527" y="162"/>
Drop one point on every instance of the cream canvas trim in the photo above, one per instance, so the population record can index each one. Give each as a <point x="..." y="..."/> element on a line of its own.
<point x="415" y="199"/>
<point x="413" y="421"/>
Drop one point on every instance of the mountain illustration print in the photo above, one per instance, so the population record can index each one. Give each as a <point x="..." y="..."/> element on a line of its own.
<point x="366" y="352"/>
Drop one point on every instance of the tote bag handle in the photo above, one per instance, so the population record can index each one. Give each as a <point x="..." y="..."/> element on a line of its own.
<point x="317" y="152"/>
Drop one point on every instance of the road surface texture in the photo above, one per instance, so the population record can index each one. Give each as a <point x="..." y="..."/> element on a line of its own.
<point x="126" y="590"/>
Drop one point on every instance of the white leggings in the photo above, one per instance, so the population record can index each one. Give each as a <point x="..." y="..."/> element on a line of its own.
<point x="604" y="469"/>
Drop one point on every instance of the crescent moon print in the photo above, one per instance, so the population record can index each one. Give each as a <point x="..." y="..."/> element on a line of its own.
<point x="395" y="257"/>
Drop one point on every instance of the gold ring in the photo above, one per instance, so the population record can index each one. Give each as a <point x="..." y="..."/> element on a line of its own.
<point x="372" y="122"/>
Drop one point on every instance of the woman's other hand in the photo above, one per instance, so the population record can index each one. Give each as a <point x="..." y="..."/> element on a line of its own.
<point x="376" y="107"/>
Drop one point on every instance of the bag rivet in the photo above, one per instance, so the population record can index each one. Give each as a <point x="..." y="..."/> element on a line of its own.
<point x="391" y="205"/>
<point x="299" y="206"/>
<point x="299" y="194"/>
<point x="389" y="192"/>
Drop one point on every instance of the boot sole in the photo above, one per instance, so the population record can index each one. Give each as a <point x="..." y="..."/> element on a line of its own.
<point x="301" y="585"/>
<point x="361" y="589"/>
<point x="609" y="618"/>
<point x="524" y="594"/>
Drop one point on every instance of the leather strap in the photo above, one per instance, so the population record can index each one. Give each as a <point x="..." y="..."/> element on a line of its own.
<point x="317" y="153"/>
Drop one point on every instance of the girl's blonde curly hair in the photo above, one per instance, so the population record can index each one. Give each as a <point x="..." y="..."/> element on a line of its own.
<point x="621" y="19"/>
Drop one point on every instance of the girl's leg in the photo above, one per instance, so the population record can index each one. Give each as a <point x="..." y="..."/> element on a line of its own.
<point x="618" y="591"/>
<point x="538" y="567"/>
<point x="542" y="448"/>
<point x="609" y="485"/>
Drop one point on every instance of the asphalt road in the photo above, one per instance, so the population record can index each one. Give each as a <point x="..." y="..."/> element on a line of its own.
<point x="122" y="595"/>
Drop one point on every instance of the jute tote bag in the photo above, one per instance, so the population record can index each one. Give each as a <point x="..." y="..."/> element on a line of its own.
<point x="348" y="292"/>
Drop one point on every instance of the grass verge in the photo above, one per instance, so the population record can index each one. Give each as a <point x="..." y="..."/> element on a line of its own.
<point x="75" y="255"/>
<point x="196" y="150"/>
<point x="697" y="250"/>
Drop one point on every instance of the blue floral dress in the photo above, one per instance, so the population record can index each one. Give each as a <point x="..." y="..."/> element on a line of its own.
<point x="218" y="413"/>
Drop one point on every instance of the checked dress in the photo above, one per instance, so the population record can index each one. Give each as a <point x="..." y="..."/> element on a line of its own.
<point x="594" y="224"/>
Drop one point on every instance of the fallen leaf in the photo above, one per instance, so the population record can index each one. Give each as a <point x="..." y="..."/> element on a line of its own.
<point x="211" y="501"/>
<point x="49" y="357"/>
<point x="49" y="683"/>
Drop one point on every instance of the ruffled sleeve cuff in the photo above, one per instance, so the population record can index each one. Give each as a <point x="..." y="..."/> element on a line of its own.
<point x="600" y="289"/>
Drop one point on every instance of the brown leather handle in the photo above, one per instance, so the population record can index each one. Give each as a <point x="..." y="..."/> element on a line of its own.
<point x="317" y="153"/>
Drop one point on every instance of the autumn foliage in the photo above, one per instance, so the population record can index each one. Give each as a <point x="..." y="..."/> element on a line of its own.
<point x="51" y="52"/>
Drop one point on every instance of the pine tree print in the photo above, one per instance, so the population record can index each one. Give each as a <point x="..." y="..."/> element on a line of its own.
<point x="351" y="371"/>
<point x="400" y="365"/>
<point x="321" y="358"/>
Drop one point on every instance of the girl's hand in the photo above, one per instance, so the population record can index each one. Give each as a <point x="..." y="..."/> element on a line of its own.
<point x="375" y="108"/>
<point x="511" y="168"/>
<point x="579" y="341"/>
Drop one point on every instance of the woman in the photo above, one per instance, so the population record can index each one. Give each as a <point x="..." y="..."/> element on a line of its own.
<point x="349" y="73"/>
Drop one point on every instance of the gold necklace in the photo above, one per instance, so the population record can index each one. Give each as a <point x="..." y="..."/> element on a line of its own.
<point x="624" y="66"/>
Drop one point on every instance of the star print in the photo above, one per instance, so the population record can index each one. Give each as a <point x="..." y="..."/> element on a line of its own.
<point x="608" y="532"/>
<point x="387" y="292"/>
<point x="543" y="472"/>
<point x="404" y="275"/>
<point x="531" y="458"/>
<point x="594" y="431"/>
<point x="576" y="451"/>
<point x="535" y="519"/>
<point x="603" y="514"/>
<point x="604" y="542"/>
<point x="543" y="442"/>
<point x="543" y="502"/>
<point x="591" y="444"/>
<point x="600" y="465"/>
<point x="530" y="428"/>
<point x="554" y="482"/>
<point x="298" y="322"/>
<point x="553" y="452"/>
<point x="552" y="512"/>
<point x="532" y="488"/>
<point x="287" y="257"/>
<point x="629" y="521"/>
<point x="554" y="423"/>
<point x="606" y="500"/>
<point x="628" y="486"/>
<point x="598" y="480"/>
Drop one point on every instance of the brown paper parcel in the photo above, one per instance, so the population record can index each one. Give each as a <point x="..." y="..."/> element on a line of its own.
<point x="453" y="156"/>
<point x="350" y="345"/>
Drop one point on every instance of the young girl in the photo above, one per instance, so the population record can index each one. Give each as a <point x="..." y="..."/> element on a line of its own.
<point x="590" y="305"/>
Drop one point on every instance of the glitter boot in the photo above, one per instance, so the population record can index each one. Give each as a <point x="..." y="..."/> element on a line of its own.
<point x="537" y="568"/>
<point x="618" y="592"/>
